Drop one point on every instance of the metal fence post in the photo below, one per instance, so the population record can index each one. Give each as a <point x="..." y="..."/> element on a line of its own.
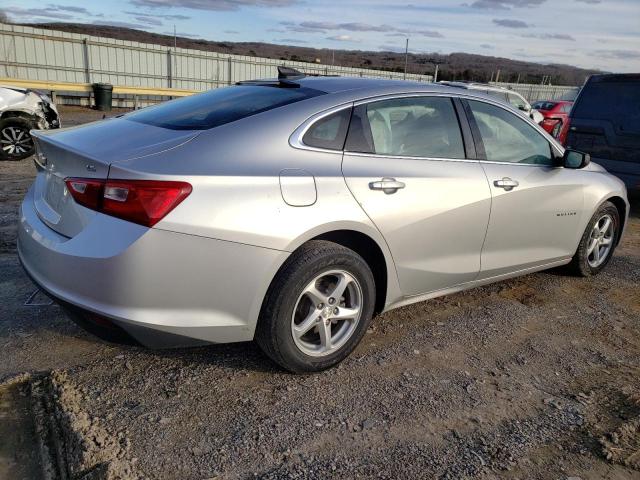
<point x="229" y="64"/>
<point x="169" y="70"/>
<point x="87" y="61"/>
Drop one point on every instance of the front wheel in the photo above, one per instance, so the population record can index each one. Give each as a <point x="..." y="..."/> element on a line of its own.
<point x="15" y="141"/>
<point x="598" y="242"/>
<point x="317" y="309"/>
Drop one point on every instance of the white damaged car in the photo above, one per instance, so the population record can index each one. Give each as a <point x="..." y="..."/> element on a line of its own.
<point x="22" y="110"/>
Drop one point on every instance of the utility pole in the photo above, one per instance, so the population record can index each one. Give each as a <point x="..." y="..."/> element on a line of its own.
<point x="406" y="58"/>
<point x="497" y="75"/>
<point x="175" y="47"/>
<point x="333" y="57"/>
<point x="435" y="75"/>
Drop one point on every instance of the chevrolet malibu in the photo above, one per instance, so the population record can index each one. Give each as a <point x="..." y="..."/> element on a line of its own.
<point x="290" y="211"/>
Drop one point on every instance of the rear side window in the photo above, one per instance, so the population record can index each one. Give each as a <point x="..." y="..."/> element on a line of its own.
<point x="220" y="106"/>
<point x="329" y="132"/>
<point x="411" y="127"/>
<point x="616" y="102"/>
<point x="508" y="138"/>
<point x="543" y="105"/>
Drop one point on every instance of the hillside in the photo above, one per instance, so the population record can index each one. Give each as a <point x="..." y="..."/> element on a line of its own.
<point x="454" y="66"/>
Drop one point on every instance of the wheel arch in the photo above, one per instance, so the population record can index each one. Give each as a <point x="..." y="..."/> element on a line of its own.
<point x="22" y="114"/>
<point x="371" y="252"/>
<point x="621" y="206"/>
<point x="371" y="246"/>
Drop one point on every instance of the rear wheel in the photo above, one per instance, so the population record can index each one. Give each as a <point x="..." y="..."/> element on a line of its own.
<point x="15" y="141"/>
<point x="317" y="309"/>
<point x="598" y="242"/>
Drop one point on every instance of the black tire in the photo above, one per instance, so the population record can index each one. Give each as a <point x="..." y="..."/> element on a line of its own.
<point x="26" y="148"/>
<point x="273" y="332"/>
<point x="580" y="262"/>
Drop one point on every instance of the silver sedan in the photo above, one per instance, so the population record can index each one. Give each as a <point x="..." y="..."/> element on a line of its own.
<point x="290" y="211"/>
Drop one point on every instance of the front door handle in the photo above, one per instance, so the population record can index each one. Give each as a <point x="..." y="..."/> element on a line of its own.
<point x="506" y="183"/>
<point x="387" y="185"/>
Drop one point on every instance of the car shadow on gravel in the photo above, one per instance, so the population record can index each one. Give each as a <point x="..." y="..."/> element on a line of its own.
<point x="235" y="356"/>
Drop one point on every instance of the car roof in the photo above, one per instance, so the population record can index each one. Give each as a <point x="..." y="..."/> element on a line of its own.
<point x="357" y="87"/>
<point x="341" y="84"/>
<point x="478" y="86"/>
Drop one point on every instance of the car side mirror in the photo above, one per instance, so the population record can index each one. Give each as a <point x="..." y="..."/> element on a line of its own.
<point x="575" y="159"/>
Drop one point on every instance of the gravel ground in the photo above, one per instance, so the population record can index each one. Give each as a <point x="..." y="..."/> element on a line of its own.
<point x="537" y="377"/>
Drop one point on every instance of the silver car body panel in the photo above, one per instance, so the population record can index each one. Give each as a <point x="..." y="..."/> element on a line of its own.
<point x="437" y="240"/>
<point x="259" y="193"/>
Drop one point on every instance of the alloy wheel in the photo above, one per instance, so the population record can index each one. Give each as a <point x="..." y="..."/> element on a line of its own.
<point x="600" y="241"/>
<point x="15" y="141"/>
<point x="326" y="313"/>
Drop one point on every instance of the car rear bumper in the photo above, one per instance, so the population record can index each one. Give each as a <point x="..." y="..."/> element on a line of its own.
<point x="163" y="288"/>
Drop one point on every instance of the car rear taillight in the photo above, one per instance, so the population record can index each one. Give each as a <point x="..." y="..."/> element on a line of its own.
<point x="562" y="136"/>
<point x="86" y="191"/>
<point x="145" y="202"/>
<point x="142" y="201"/>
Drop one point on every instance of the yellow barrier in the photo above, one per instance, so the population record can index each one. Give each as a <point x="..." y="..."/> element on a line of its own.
<point x="86" y="87"/>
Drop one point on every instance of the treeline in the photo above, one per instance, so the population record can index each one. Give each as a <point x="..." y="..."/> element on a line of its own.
<point x="454" y="66"/>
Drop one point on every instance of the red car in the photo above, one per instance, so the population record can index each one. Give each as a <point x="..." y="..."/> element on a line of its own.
<point x="555" y="113"/>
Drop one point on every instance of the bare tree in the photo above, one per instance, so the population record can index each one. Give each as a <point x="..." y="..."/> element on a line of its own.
<point x="3" y="17"/>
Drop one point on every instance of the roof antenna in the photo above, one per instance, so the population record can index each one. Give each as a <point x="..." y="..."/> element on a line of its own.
<point x="287" y="73"/>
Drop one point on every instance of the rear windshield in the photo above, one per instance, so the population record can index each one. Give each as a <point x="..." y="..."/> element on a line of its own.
<point x="220" y="106"/>
<point x="544" y="105"/>
<point x="616" y="102"/>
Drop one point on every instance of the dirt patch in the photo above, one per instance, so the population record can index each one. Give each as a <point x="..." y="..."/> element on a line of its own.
<point x="19" y="453"/>
<point x="623" y="445"/>
<point x="74" y="444"/>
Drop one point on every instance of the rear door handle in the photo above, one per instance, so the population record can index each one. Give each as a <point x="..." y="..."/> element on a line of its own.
<point x="506" y="183"/>
<point x="387" y="185"/>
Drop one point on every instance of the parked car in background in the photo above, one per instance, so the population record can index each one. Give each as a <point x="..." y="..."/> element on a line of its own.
<point x="503" y="94"/>
<point x="605" y="122"/>
<point x="292" y="210"/>
<point x="555" y="113"/>
<point x="22" y="110"/>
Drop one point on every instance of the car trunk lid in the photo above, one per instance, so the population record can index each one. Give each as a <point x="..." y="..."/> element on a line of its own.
<point x="88" y="152"/>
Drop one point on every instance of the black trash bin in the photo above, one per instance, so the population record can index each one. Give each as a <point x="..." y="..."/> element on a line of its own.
<point x="103" y="93"/>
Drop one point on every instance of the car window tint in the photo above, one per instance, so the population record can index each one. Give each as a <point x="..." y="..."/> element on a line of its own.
<point x="412" y="127"/>
<point x="329" y="132"/>
<point x="543" y="105"/>
<point x="617" y="102"/>
<point x="219" y="106"/>
<point x="509" y="138"/>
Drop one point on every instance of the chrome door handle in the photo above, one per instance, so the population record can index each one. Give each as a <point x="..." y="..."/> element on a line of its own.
<point x="506" y="183"/>
<point x="387" y="185"/>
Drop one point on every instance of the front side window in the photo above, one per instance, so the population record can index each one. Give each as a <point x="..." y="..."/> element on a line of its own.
<point x="219" y="106"/>
<point x="508" y="138"/>
<point x="329" y="132"/>
<point x="411" y="127"/>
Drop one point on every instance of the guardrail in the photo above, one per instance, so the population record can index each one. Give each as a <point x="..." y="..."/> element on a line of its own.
<point x="61" y="87"/>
